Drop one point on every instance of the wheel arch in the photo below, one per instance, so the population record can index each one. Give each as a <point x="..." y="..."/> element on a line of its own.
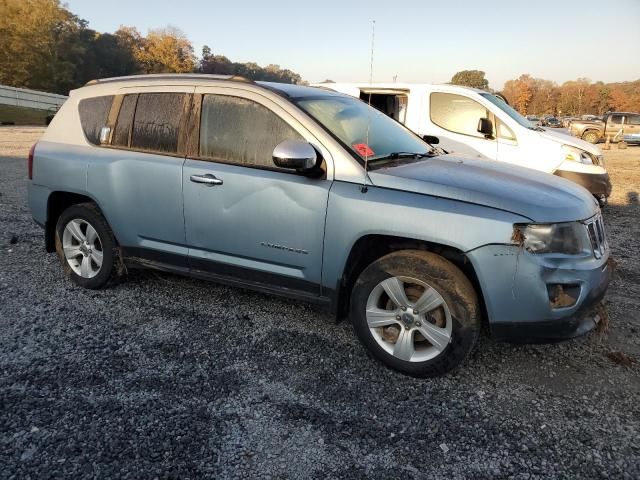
<point x="371" y="247"/>
<point x="57" y="202"/>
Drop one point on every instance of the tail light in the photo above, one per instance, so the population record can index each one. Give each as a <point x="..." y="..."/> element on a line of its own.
<point x="30" y="161"/>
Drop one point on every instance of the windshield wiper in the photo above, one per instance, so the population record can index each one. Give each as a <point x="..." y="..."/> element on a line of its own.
<point x="399" y="155"/>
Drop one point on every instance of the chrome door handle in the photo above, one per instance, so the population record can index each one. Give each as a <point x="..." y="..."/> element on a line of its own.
<point x="207" y="179"/>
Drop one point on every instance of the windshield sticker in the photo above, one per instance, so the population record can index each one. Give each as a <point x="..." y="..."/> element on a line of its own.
<point x="363" y="149"/>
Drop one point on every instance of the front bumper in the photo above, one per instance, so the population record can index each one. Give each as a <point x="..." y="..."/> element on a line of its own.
<point x="597" y="183"/>
<point x="515" y="288"/>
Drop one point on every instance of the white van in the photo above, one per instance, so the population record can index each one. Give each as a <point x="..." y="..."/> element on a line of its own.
<point x="476" y="123"/>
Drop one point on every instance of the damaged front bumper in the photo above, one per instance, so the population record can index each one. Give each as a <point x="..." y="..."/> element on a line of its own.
<point x="598" y="184"/>
<point x="519" y="290"/>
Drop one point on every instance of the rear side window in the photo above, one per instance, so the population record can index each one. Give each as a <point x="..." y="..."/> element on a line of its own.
<point x="457" y="113"/>
<point x="156" y="123"/>
<point x="238" y="130"/>
<point x="633" y="119"/>
<point x="93" y="116"/>
<point x="125" y="120"/>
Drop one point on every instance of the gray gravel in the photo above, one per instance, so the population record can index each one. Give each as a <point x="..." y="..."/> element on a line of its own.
<point x="167" y="377"/>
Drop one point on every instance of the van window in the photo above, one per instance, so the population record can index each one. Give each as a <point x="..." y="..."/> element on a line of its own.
<point x="457" y="113"/>
<point x="238" y="130"/>
<point x="122" y="129"/>
<point x="156" y="123"/>
<point x="504" y="131"/>
<point x="93" y="116"/>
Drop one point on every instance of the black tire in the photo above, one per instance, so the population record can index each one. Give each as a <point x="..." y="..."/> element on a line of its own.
<point x="591" y="136"/>
<point x="91" y="214"/>
<point x="453" y="286"/>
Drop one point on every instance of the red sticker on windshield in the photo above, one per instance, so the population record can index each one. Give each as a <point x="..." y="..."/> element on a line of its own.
<point x="363" y="149"/>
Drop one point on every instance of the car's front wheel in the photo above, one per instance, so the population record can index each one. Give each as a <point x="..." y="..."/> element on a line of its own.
<point x="85" y="245"/>
<point x="416" y="312"/>
<point x="591" y="136"/>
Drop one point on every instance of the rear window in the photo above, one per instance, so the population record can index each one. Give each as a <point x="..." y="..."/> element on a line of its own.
<point x="156" y="124"/>
<point x="93" y="116"/>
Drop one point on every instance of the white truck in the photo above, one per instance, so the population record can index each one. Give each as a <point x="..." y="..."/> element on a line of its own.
<point x="476" y="123"/>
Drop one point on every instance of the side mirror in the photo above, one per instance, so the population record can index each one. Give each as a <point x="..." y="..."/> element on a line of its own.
<point x="105" y="135"/>
<point x="295" y="155"/>
<point x="431" y="139"/>
<point x="485" y="127"/>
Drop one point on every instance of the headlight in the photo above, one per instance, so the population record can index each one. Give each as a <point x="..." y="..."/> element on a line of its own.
<point x="568" y="238"/>
<point x="577" y="155"/>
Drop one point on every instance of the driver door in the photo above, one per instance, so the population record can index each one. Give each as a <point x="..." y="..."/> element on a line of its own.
<point x="257" y="224"/>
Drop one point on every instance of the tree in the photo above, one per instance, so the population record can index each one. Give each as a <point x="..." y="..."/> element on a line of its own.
<point x="471" y="78"/>
<point x="165" y="50"/>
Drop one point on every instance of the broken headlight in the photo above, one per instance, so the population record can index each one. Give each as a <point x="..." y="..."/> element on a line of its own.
<point x="568" y="238"/>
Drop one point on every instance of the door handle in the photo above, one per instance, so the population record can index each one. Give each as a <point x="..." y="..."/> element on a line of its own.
<point x="207" y="179"/>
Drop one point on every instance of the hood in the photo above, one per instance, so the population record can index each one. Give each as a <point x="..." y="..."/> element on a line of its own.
<point x="539" y="196"/>
<point x="568" y="139"/>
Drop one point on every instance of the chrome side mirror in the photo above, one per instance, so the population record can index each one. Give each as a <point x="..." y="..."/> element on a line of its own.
<point x="105" y="135"/>
<point x="295" y="155"/>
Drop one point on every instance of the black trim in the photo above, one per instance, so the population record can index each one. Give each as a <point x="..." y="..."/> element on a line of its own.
<point x="555" y="330"/>
<point x="226" y="274"/>
<point x="596" y="183"/>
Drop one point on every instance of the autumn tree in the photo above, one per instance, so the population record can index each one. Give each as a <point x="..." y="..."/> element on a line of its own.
<point x="165" y="50"/>
<point x="471" y="78"/>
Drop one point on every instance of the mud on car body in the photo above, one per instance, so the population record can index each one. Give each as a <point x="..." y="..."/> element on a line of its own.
<point x="264" y="186"/>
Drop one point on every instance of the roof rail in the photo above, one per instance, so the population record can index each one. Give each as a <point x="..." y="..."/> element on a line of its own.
<point x="170" y="76"/>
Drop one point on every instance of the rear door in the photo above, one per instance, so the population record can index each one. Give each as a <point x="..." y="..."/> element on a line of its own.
<point x="454" y="120"/>
<point x="632" y="128"/>
<point x="259" y="224"/>
<point x="138" y="177"/>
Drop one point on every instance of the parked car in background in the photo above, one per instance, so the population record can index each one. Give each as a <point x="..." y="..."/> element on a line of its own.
<point x="313" y="195"/>
<point x="614" y="125"/>
<point x="476" y="123"/>
<point x="552" y="122"/>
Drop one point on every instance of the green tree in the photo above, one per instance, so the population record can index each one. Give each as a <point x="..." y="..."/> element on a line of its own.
<point x="471" y="78"/>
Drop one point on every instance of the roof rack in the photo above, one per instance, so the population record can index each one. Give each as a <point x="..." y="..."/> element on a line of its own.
<point x="170" y="76"/>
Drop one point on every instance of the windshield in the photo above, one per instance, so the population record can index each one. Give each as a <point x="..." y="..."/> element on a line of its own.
<point x="513" y="113"/>
<point x="348" y="118"/>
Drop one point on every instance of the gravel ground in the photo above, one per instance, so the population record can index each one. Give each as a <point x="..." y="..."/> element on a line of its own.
<point x="167" y="377"/>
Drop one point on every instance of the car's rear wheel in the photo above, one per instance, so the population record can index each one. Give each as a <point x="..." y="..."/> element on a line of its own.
<point x="416" y="312"/>
<point x="85" y="245"/>
<point x="591" y="136"/>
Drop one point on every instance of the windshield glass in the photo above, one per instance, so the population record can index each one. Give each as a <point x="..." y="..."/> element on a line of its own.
<point x="347" y="119"/>
<point x="513" y="113"/>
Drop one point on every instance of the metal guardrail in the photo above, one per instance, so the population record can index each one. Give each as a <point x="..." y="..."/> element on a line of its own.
<point x="22" y="97"/>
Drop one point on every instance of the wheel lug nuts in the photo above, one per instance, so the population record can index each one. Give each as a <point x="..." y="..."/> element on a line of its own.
<point x="415" y="312"/>
<point x="397" y="317"/>
<point x="404" y="309"/>
<point x="418" y="324"/>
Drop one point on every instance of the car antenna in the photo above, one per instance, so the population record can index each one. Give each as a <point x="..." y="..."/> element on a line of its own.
<point x="367" y="150"/>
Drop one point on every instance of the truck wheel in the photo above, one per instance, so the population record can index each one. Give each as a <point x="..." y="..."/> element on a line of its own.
<point x="416" y="312"/>
<point x="591" y="136"/>
<point x="85" y="246"/>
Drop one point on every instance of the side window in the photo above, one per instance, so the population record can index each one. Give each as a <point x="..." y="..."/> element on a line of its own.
<point x="616" y="119"/>
<point x="120" y="137"/>
<point x="504" y="131"/>
<point x="457" y="113"/>
<point x="93" y="116"/>
<point x="238" y="130"/>
<point x="156" y="123"/>
<point x="633" y="119"/>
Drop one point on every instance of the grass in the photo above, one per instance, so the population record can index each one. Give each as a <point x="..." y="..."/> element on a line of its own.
<point x="22" y="115"/>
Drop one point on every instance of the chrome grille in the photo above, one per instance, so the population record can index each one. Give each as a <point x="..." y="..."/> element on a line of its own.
<point x="595" y="229"/>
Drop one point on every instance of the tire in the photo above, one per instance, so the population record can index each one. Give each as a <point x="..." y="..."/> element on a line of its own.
<point x="427" y="280"/>
<point x="79" y="259"/>
<point x="591" y="136"/>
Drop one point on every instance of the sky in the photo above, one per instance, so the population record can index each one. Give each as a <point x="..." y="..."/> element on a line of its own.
<point x="416" y="40"/>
